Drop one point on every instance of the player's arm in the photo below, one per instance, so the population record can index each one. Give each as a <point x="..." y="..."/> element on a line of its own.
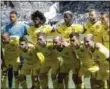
<point x="104" y="50"/>
<point x="2" y="59"/>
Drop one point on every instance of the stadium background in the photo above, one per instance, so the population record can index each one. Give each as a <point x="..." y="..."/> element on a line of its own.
<point x="53" y="11"/>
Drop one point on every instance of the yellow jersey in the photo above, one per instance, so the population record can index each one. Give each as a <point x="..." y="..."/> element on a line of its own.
<point x="95" y="29"/>
<point x="101" y="53"/>
<point x="68" y="55"/>
<point x="11" y="50"/>
<point x="32" y="32"/>
<point x="30" y="57"/>
<point x="65" y="30"/>
<point x="48" y="52"/>
<point x="85" y="56"/>
<point x="106" y="39"/>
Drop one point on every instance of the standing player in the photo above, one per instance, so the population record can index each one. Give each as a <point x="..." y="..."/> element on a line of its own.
<point x="50" y="60"/>
<point x="31" y="64"/>
<point x="94" y="26"/>
<point x="11" y="57"/>
<point x="14" y="28"/>
<point x="67" y="27"/>
<point x="106" y="32"/>
<point x="70" y="62"/>
<point x="106" y="28"/>
<point x="100" y="54"/>
<point x="88" y="65"/>
<point x="39" y="20"/>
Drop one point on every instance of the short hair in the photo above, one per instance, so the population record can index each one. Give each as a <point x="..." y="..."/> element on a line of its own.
<point x="58" y="37"/>
<point x="38" y="14"/>
<point x="41" y="34"/>
<point x="13" y="12"/>
<point x="107" y="14"/>
<point x="74" y="34"/>
<point x="89" y="36"/>
<point x="22" y="39"/>
<point x="68" y="12"/>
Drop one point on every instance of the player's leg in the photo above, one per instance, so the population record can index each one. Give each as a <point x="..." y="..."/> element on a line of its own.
<point x="22" y="80"/>
<point x="10" y="77"/>
<point x="55" y="69"/>
<point x="95" y="83"/>
<point x="35" y="77"/>
<point x="78" y="81"/>
<point x="25" y="70"/>
<point x="43" y="75"/>
<point x="16" y="76"/>
<point x="62" y="76"/>
<point x="3" y="78"/>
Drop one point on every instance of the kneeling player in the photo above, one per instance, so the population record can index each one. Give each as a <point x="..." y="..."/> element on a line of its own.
<point x="69" y="62"/>
<point x="50" y="60"/>
<point x="31" y="64"/>
<point x="11" y="57"/>
<point x="100" y="53"/>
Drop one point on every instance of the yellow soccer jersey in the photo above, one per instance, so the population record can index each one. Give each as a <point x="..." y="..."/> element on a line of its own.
<point x="68" y="55"/>
<point x="49" y="53"/>
<point x="101" y="53"/>
<point x="30" y="57"/>
<point x="85" y="56"/>
<point x="11" y="50"/>
<point x="95" y="29"/>
<point x="106" y="39"/>
<point x="65" y="31"/>
<point x="32" y="32"/>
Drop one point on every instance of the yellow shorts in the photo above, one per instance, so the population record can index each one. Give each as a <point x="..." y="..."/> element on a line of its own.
<point x="32" y="69"/>
<point x="13" y="64"/>
<point x="88" y="71"/>
<point x="47" y="65"/>
<point x="67" y="66"/>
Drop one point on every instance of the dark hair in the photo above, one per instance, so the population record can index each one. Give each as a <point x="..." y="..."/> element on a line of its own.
<point x="13" y="12"/>
<point x="106" y="14"/>
<point x="73" y="34"/>
<point x="22" y="39"/>
<point x="38" y="14"/>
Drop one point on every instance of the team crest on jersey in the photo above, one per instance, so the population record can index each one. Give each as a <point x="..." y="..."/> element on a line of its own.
<point x="97" y="26"/>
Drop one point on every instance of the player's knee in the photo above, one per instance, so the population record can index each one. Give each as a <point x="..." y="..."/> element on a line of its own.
<point x="77" y="79"/>
<point x="35" y="79"/>
<point x="22" y="78"/>
<point x="61" y="76"/>
<point x="42" y="76"/>
<point x="53" y="76"/>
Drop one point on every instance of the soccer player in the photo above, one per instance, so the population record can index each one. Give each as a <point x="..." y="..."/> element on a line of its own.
<point x="11" y="57"/>
<point x="68" y="26"/>
<point x="50" y="60"/>
<point x="88" y="65"/>
<point x="15" y="28"/>
<point x="39" y="20"/>
<point x="31" y="64"/>
<point x="106" y="28"/>
<point x="106" y="32"/>
<point x="69" y="62"/>
<point x="93" y="26"/>
<point x="100" y="54"/>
